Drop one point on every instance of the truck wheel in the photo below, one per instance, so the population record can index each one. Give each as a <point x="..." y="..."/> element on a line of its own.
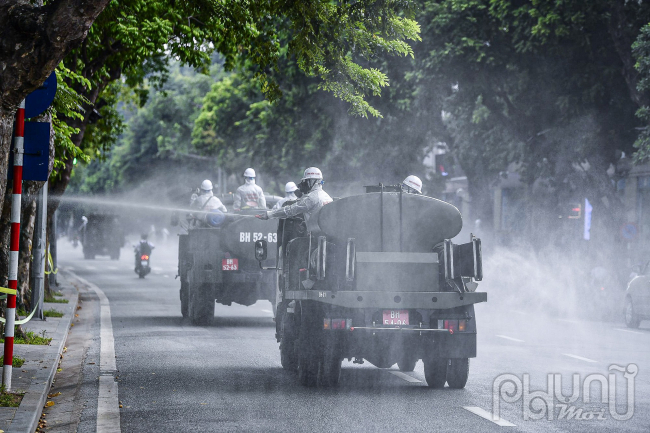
<point x="329" y="372"/>
<point x="201" y="304"/>
<point x="407" y="362"/>
<point x="631" y="319"/>
<point x="184" y="295"/>
<point x="458" y="372"/>
<point x="309" y="345"/>
<point x="435" y="372"/>
<point x="288" y="357"/>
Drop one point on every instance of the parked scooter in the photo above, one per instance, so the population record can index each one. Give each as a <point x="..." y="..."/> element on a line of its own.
<point x="142" y="256"/>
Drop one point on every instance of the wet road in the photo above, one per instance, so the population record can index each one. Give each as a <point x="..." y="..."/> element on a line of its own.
<point x="173" y="376"/>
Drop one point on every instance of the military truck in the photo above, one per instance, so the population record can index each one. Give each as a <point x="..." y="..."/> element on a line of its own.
<point x="102" y="235"/>
<point x="376" y="277"/>
<point x="216" y="261"/>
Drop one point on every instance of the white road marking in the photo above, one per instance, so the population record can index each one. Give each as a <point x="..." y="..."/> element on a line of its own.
<point x="108" y="412"/>
<point x="69" y="268"/>
<point x="578" y="357"/>
<point x="112" y="268"/>
<point x="489" y="416"/>
<point x="510" y="338"/>
<point x="166" y="276"/>
<point x="521" y="313"/>
<point x="568" y="321"/>
<point x="90" y="268"/>
<point x="630" y="331"/>
<point x="268" y="311"/>
<point x="155" y="268"/>
<point x="404" y="376"/>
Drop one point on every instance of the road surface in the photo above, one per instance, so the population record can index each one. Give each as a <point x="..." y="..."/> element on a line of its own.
<point x="176" y="377"/>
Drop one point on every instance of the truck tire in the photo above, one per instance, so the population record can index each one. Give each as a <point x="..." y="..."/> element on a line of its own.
<point x="329" y="372"/>
<point x="288" y="357"/>
<point x="631" y="318"/>
<point x="185" y="299"/>
<point x="435" y="372"/>
<point x="457" y="373"/>
<point x="201" y="304"/>
<point x="309" y="345"/>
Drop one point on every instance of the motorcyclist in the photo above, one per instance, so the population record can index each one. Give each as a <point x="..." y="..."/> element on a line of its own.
<point x="313" y="198"/>
<point x="290" y="190"/>
<point x="412" y="184"/>
<point x="143" y="247"/>
<point x="206" y="200"/>
<point x="249" y="194"/>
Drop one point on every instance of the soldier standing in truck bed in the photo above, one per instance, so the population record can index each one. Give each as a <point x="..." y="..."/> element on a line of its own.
<point x="313" y="198"/>
<point x="249" y="194"/>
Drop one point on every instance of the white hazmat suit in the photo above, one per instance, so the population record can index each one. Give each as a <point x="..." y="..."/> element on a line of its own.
<point x="290" y="190"/>
<point x="206" y="201"/>
<point x="250" y="195"/>
<point x="306" y="205"/>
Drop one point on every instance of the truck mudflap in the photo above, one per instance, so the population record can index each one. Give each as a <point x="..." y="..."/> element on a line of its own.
<point x="402" y="300"/>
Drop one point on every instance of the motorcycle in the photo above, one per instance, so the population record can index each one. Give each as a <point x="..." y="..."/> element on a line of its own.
<point x="142" y="257"/>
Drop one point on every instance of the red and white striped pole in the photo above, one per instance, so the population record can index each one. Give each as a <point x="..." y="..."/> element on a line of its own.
<point x="10" y="314"/>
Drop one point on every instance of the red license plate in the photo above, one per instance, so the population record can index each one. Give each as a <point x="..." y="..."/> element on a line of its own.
<point x="230" y="264"/>
<point x="396" y="317"/>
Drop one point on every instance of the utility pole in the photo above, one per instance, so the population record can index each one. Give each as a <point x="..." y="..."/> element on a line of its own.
<point x="39" y="253"/>
<point x="53" y="251"/>
<point x="16" y="198"/>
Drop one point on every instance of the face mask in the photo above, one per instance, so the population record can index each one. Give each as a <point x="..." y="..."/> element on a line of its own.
<point x="250" y="180"/>
<point x="304" y="186"/>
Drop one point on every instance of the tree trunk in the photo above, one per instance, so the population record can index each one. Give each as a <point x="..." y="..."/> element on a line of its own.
<point x="33" y="41"/>
<point x="6" y="129"/>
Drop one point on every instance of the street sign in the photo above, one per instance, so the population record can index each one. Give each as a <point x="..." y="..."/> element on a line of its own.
<point x="37" y="152"/>
<point x="40" y="99"/>
<point x="629" y="231"/>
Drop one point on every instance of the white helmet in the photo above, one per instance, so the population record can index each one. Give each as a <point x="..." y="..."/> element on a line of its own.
<point x="206" y="185"/>
<point x="290" y="187"/>
<point x="312" y="173"/>
<point x="413" y="182"/>
<point x="249" y="172"/>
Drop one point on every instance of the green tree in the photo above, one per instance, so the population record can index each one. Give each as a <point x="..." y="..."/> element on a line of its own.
<point x="132" y="38"/>
<point x="537" y="85"/>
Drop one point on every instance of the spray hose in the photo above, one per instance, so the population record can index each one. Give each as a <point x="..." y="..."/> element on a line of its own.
<point x="49" y="262"/>
<point x="17" y="322"/>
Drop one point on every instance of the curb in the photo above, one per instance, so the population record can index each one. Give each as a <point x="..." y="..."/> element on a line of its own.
<point x="29" y="412"/>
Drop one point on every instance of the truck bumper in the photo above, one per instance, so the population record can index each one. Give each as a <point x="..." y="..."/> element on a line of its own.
<point x="402" y="300"/>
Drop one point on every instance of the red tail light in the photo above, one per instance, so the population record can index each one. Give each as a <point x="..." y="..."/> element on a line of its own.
<point x="452" y="325"/>
<point x="456" y="325"/>
<point x="144" y="257"/>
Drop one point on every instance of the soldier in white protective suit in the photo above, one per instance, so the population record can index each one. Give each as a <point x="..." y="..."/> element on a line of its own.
<point x="206" y="200"/>
<point x="313" y="198"/>
<point x="249" y="194"/>
<point x="412" y="184"/>
<point x="290" y="190"/>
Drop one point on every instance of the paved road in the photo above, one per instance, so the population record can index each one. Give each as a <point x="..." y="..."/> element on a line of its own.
<point x="227" y="376"/>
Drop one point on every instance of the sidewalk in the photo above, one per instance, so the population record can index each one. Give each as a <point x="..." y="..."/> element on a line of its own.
<point x="36" y="374"/>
